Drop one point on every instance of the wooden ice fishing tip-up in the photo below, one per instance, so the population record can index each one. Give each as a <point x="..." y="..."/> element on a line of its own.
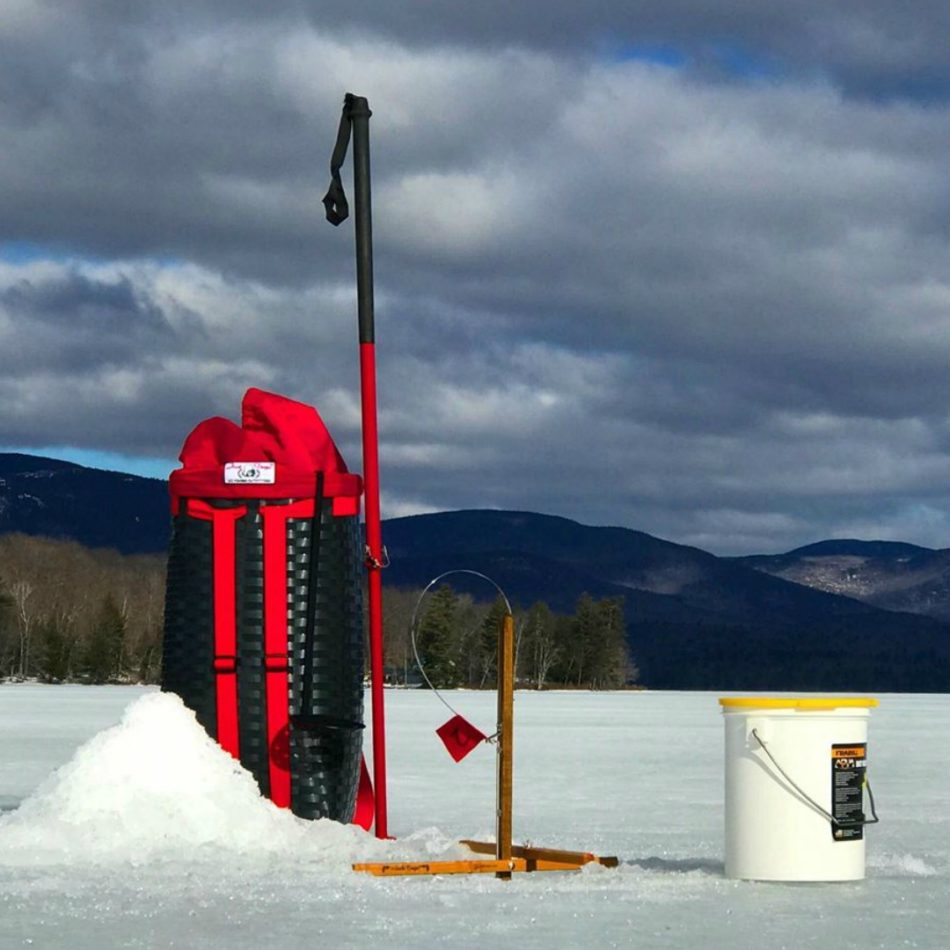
<point x="508" y="858"/>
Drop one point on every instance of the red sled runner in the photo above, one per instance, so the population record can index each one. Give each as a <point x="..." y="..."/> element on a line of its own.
<point x="263" y="607"/>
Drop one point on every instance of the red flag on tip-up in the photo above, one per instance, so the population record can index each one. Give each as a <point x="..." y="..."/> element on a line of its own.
<point x="460" y="737"/>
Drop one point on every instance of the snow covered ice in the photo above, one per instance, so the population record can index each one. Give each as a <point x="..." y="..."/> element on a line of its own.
<point x="149" y="836"/>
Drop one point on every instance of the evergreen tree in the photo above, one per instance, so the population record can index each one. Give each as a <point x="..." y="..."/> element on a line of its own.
<point x="586" y="634"/>
<point x="55" y="652"/>
<point x="590" y="648"/>
<point x="103" y="655"/>
<point x="566" y="649"/>
<point x="609" y="660"/>
<point x="487" y="644"/>
<point x="438" y="640"/>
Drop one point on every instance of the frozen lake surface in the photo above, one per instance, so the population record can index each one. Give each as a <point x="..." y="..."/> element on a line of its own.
<point x="150" y="837"/>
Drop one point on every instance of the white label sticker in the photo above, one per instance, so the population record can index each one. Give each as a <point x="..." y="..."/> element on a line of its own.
<point x="250" y="473"/>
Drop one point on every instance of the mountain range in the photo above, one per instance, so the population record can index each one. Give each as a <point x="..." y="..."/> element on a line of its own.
<point x="855" y="615"/>
<point x="887" y="574"/>
<point x="44" y="496"/>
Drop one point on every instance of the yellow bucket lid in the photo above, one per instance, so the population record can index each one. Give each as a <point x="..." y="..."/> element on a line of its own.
<point x="798" y="702"/>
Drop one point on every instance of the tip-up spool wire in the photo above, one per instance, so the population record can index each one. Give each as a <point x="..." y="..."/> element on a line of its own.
<point x="415" y="615"/>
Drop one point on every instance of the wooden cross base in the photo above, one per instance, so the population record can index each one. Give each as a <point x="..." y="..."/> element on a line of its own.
<point x="522" y="859"/>
<point x="576" y="859"/>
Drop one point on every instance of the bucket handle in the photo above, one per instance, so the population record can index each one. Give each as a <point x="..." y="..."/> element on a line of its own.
<point x="835" y="823"/>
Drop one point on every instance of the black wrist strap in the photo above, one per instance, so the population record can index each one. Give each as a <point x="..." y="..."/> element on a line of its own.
<point x="338" y="208"/>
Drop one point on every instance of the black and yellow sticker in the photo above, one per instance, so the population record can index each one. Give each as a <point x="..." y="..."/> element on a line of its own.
<point x="848" y="769"/>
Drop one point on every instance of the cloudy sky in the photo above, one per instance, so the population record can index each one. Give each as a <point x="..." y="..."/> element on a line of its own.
<point x="675" y="266"/>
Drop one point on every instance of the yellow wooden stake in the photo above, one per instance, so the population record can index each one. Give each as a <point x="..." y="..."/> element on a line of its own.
<point x="505" y="756"/>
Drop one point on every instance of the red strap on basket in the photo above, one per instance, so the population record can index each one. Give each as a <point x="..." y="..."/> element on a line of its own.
<point x="225" y="621"/>
<point x="276" y="608"/>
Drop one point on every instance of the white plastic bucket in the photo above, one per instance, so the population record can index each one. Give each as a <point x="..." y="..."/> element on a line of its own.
<point x="775" y="831"/>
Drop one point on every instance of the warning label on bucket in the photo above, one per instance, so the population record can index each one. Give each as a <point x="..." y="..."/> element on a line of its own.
<point x="848" y="767"/>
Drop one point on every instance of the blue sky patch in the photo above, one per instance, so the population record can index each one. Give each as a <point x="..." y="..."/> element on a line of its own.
<point x="25" y="252"/>
<point x="92" y="458"/>
<point x="660" y="54"/>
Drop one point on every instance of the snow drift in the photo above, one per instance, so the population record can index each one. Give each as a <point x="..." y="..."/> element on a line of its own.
<point x="155" y="786"/>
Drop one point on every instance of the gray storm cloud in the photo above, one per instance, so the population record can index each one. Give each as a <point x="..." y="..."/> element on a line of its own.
<point x="703" y="294"/>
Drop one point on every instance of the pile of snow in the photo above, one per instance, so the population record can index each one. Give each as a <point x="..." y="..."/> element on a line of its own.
<point x="157" y="786"/>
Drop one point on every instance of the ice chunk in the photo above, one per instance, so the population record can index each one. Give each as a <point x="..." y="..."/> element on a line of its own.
<point x="901" y="865"/>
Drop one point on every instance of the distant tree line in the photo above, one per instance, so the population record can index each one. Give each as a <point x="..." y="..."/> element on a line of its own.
<point x="74" y="614"/>
<point x="456" y="640"/>
<point x="71" y="613"/>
